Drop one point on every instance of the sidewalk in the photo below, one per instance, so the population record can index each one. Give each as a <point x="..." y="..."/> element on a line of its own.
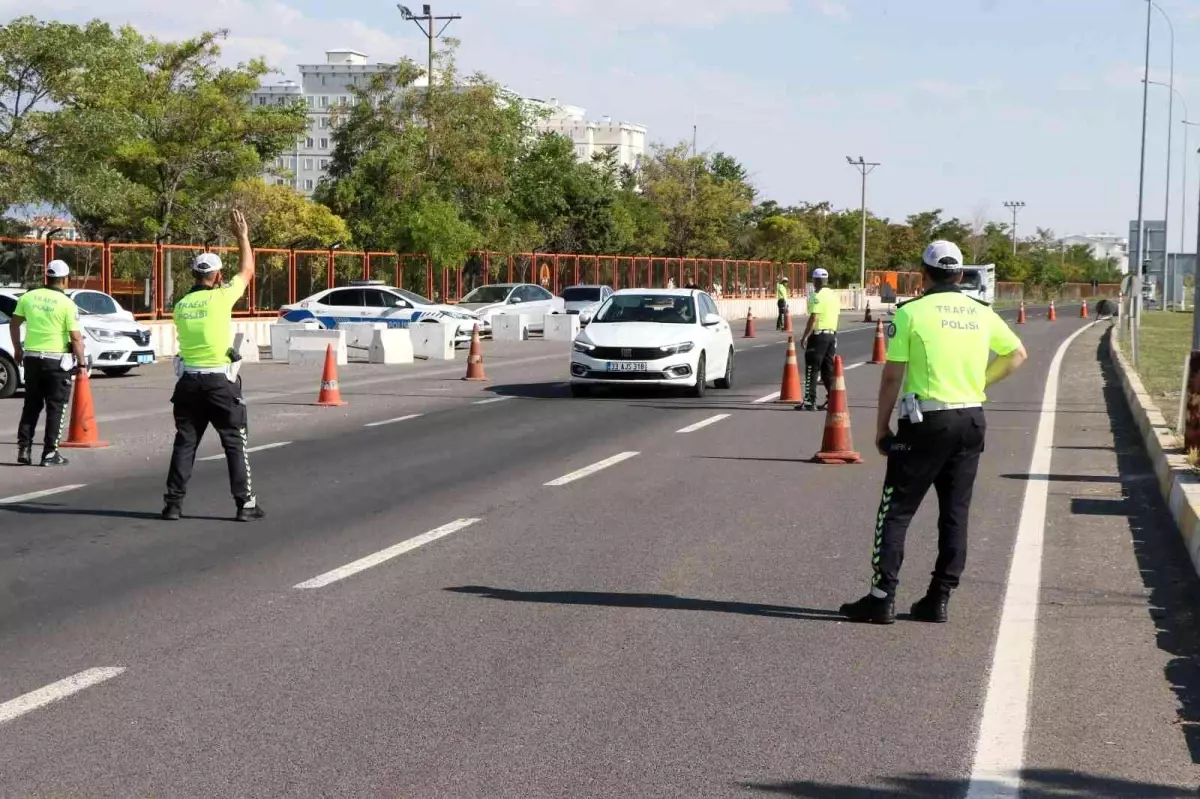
<point x="1115" y="709"/>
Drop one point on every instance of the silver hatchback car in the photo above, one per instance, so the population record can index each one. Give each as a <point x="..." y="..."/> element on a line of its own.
<point x="585" y="300"/>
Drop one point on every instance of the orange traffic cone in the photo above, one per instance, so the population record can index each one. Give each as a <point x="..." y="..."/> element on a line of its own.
<point x="750" y="324"/>
<point x="1083" y="312"/>
<point x="792" y="390"/>
<point x="836" y="446"/>
<point x="787" y="321"/>
<point x="880" y="353"/>
<point x="83" y="433"/>
<point x="475" y="359"/>
<point x="1021" y="314"/>
<point x="331" y="394"/>
<point x="1052" y="315"/>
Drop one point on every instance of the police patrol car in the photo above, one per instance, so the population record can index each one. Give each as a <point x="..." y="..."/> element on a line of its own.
<point x="369" y="301"/>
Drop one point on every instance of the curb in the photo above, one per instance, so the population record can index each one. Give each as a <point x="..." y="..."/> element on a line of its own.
<point x="1178" y="482"/>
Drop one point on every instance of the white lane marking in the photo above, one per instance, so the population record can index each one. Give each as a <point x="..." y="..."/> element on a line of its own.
<point x="701" y="425"/>
<point x="56" y="691"/>
<point x="384" y="555"/>
<point x="854" y="366"/>
<point x="760" y="346"/>
<point x="492" y="401"/>
<point x="590" y="470"/>
<point x="49" y="492"/>
<point x="766" y="399"/>
<point x="1000" y="749"/>
<point x="394" y="421"/>
<point x="260" y="448"/>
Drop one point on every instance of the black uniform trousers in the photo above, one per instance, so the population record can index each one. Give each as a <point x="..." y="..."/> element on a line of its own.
<point x="942" y="451"/>
<point x="201" y="400"/>
<point x="781" y="321"/>
<point x="818" y="362"/>
<point x="47" y="385"/>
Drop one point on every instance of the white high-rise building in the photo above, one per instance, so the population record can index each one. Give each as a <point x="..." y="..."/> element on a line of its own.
<point x="324" y="87"/>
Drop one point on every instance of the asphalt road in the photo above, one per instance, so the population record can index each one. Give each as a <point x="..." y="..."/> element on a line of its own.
<point x="662" y="626"/>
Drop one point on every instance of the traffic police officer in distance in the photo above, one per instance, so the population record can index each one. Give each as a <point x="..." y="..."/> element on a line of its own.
<point x="52" y="354"/>
<point x="820" y="341"/>
<point x="209" y="390"/>
<point x="938" y="346"/>
<point x="781" y="301"/>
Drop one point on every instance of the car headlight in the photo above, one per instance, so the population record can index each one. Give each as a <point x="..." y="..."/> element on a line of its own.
<point x="100" y="334"/>
<point x="677" y="349"/>
<point x="583" y="346"/>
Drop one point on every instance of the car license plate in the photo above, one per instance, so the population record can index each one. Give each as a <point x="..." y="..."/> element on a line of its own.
<point x="145" y="357"/>
<point x="626" y="366"/>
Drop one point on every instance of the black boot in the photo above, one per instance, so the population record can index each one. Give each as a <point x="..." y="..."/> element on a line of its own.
<point x="250" y="512"/>
<point x="932" y="608"/>
<point x="53" y="458"/>
<point x="24" y="456"/>
<point x="871" y="609"/>
<point x="172" y="510"/>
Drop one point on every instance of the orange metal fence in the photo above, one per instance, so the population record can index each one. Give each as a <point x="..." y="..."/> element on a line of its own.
<point x="147" y="279"/>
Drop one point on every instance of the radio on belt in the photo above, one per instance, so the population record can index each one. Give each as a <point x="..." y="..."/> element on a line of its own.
<point x="910" y="408"/>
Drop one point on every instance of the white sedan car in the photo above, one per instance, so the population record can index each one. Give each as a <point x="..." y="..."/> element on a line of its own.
<point x="658" y="337"/>
<point x="372" y="301"/>
<point x="513" y="298"/>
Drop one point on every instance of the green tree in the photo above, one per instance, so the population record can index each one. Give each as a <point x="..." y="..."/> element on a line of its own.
<point x="785" y="240"/>
<point x="279" y="217"/>
<point x="700" y="212"/>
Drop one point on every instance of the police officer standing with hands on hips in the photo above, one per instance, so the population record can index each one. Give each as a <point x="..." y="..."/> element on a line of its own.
<point x="939" y="346"/>
<point x="52" y="353"/>
<point x="820" y="341"/>
<point x="209" y="390"/>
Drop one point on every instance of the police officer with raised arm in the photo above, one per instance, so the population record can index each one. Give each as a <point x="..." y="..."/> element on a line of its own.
<point x="209" y="389"/>
<point x="939" y="348"/>
<point x="51" y="353"/>
<point x="819" y="341"/>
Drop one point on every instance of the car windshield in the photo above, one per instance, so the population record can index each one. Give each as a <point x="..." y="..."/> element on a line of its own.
<point x="582" y="294"/>
<point x="415" y="299"/>
<point x="971" y="281"/>
<point x="488" y="294"/>
<point x="656" y="308"/>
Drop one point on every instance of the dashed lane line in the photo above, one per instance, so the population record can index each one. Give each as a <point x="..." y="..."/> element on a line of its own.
<point x="26" y="703"/>
<point x="1000" y="749"/>
<point x="493" y="400"/>
<point x="590" y="470"/>
<point x="49" y="492"/>
<point x="397" y="420"/>
<point x="260" y="448"/>
<point x="703" y="424"/>
<point x="766" y="399"/>
<point x="384" y="555"/>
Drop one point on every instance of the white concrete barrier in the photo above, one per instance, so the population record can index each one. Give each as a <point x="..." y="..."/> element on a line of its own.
<point x="166" y="344"/>
<point x="307" y="347"/>
<point x="734" y="310"/>
<point x="561" y="327"/>
<point x="281" y="337"/>
<point x="390" y="346"/>
<point x="246" y="346"/>
<point x="359" y="336"/>
<point x="510" y="327"/>
<point x="433" y="341"/>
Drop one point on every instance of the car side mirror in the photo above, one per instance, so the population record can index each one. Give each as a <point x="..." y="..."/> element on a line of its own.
<point x="399" y="304"/>
<point x="712" y="320"/>
<point x="514" y="301"/>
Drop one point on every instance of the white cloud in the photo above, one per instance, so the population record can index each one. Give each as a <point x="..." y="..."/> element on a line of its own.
<point x="680" y="13"/>
<point x="835" y="9"/>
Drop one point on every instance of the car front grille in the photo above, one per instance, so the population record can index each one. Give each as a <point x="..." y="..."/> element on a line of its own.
<point x="627" y="353"/>
<point x="630" y="376"/>
<point x="139" y="338"/>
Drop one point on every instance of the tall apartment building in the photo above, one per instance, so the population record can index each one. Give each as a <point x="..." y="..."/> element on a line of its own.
<point x="324" y="87"/>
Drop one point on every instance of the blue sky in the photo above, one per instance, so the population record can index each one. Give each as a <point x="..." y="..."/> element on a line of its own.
<point x="966" y="103"/>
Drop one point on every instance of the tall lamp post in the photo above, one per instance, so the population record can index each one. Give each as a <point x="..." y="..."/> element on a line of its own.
<point x="1015" y="206"/>
<point x="428" y="18"/>
<point x="1136" y="300"/>
<point x="1170" y="130"/>
<point x="866" y="168"/>
<point x="1167" y="275"/>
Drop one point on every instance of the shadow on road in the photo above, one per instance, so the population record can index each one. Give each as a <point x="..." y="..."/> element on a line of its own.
<point x="1163" y="559"/>
<point x="1037" y="784"/>
<point x="649" y="601"/>
<point x="33" y="509"/>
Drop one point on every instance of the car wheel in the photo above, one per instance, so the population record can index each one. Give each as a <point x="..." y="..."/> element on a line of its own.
<point x="701" y="379"/>
<point x="118" y="371"/>
<point x="726" y="382"/>
<point x="8" y="378"/>
<point x="580" y="390"/>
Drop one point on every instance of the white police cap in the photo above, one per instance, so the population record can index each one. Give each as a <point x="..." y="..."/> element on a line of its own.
<point x="820" y="274"/>
<point x="943" y="255"/>
<point x="57" y="268"/>
<point x="207" y="263"/>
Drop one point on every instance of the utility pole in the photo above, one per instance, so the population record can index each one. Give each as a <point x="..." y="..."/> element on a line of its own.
<point x="1015" y="206"/>
<point x="866" y="168"/>
<point x="425" y="23"/>
<point x="1135" y="302"/>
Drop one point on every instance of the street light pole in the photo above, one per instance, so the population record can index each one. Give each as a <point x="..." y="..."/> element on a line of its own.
<point x="427" y="16"/>
<point x="1015" y="206"/>
<point x="1136" y="300"/>
<point x="866" y="168"/>
<point x="1170" y="130"/>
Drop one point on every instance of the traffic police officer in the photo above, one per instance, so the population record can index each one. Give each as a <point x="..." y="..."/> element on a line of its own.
<point x="819" y="340"/>
<point x="781" y="300"/>
<point x="52" y="353"/>
<point x="209" y="390"/>
<point x="938" y="346"/>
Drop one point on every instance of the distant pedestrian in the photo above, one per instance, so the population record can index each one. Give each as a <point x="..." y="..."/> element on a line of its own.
<point x="819" y="341"/>
<point x="939" y="347"/>
<point x="52" y="354"/>
<point x="782" y="294"/>
<point x="209" y="389"/>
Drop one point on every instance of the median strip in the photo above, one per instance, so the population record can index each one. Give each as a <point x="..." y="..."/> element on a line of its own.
<point x="701" y="425"/>
<point x="53" y="692"/>
<point x="262" y="448"/>
<point x="590" y="470"/>
<point x="384" y="555"/>
<point x="394" y="421"/>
